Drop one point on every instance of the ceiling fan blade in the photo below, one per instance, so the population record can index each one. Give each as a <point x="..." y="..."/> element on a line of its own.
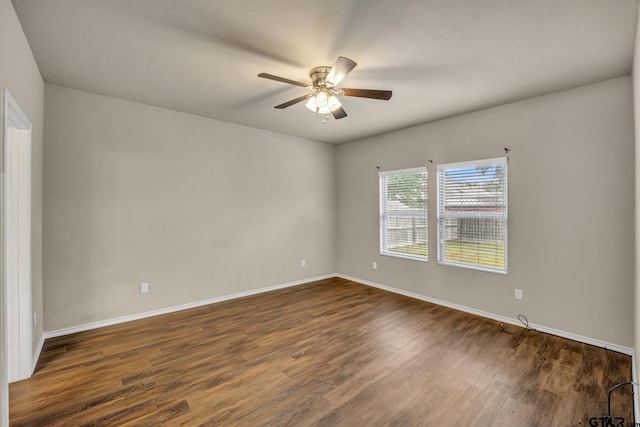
<point x="368" y="93"/>
<point x="292" y="102"/>
<point x="282" y="79"/>
<point x="339" y="113"/>
<point x="340" y="69"/>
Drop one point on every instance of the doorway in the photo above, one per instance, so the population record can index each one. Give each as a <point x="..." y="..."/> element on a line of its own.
<point x="16" y="240"/>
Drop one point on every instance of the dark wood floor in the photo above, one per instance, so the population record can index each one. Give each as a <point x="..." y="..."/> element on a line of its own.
<point x="329" y="353"/>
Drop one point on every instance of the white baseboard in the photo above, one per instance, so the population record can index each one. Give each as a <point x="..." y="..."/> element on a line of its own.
<point x="123" y="319"/>
<point x="500" y="318"/>
<point x="36" y="356"/>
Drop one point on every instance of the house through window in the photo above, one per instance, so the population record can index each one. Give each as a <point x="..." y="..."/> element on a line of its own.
<point x="472" y="214"/>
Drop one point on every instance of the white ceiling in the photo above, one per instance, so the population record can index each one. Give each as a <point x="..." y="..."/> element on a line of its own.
<point x="439" y="57"/>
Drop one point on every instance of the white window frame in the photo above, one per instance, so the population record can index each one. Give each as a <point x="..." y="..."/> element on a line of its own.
<point x="385" y="213"/>
<point x="442" y="216"/>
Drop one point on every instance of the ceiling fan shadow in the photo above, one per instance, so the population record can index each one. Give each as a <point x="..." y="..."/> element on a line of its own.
<point x="406" y="72"/>
<point x="257" y="45"/>
<point x="343" y="23"/>
<point x="200" y="21"/>
<point x="266" y="97"/>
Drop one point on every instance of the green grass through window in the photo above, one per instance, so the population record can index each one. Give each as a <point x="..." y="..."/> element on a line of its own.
<point x="488" y="255"/>
<point x="413" y="250"/>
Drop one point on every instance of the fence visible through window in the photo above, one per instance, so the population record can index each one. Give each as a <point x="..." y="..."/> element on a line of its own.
<point x="403" y="213"/>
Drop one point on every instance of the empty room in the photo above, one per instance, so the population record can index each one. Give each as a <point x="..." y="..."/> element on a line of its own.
<point x="306" y="213"/>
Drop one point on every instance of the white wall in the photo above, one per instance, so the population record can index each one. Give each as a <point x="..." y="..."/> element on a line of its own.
<point x="571" y="204"/>
<point x="196" y="207"/>
<point x="19" y="73"/>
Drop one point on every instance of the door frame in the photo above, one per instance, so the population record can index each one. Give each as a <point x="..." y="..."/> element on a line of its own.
<point x="16" y="240"/>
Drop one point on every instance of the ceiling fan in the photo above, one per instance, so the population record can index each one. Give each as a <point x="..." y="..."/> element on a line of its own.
<point x="323" y="98"/>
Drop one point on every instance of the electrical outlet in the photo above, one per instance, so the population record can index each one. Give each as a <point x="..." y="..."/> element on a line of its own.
<point x="374" y="265"/>
<point x="144" y="288"/>
<point x="519" y="294"/>
<point x="303" y="263"/>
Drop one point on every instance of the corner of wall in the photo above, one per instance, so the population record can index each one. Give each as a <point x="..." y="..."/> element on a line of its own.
<point x="636" y="116"/>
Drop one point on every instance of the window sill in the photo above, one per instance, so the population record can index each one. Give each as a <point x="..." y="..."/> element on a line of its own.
<point x="396" y="255"/>
<point x="473" y="267"/>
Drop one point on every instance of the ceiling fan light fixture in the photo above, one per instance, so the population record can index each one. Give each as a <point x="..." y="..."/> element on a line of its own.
<point x="322" y="100"/>
<point x="323" y="105"/>
<point x="333" y="103"/>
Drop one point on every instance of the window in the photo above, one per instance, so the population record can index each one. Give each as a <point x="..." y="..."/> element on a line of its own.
<point x="472" y="214"/>
<point x="403" y="213"/>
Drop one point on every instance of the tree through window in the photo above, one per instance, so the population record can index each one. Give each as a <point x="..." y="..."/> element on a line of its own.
<point x="403" y="213"/>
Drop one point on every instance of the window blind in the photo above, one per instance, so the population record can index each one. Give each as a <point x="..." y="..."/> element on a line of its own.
<point x="403" y="213"/>
<point x="472" y="214"/>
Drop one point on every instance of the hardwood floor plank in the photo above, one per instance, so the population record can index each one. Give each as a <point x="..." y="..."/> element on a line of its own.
<point x="332" y="353"/>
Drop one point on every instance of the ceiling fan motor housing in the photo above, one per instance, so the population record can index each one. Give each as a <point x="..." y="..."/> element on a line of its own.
<point x="318" y="77"/>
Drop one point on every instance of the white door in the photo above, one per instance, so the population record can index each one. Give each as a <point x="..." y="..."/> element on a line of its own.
<point x="16" y="238"/>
